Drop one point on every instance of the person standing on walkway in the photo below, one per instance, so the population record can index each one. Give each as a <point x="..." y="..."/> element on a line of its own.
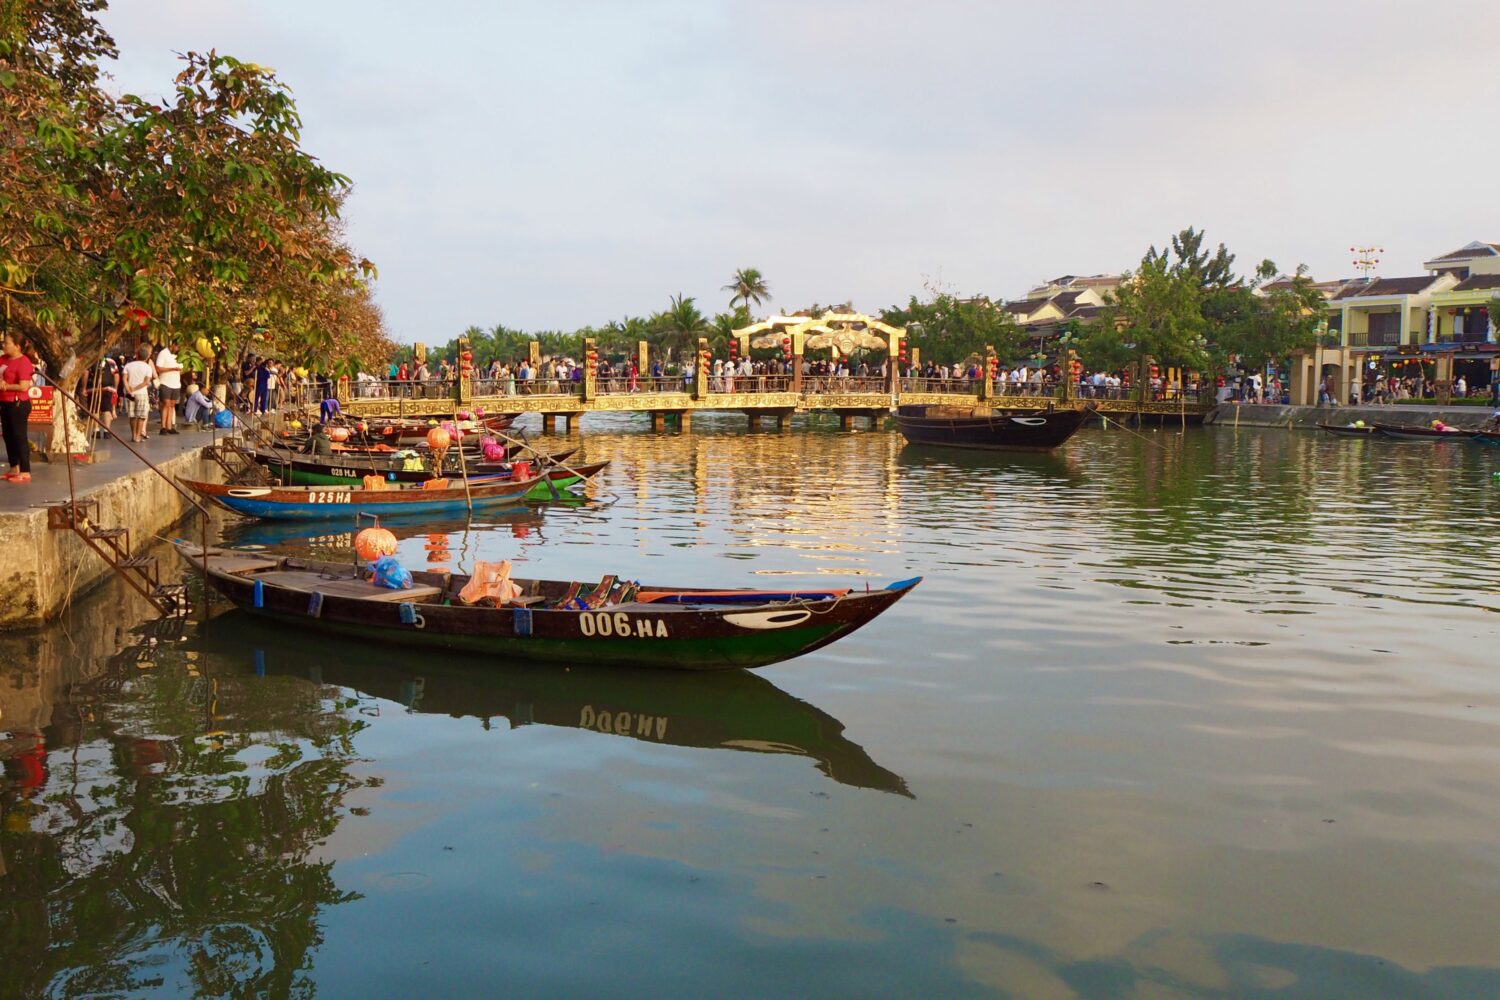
<point x="169" y="389"/>
<point x="16" y="379"/>
<point x="138" y="376"/>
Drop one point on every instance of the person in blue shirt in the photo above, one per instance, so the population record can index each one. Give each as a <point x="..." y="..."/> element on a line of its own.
<point x="198" y="409"/>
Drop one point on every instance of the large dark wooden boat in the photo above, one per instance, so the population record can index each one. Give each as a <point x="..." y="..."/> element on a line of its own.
<point x="1350" y="430"/>
<point x="608" y="623"/>
<point x="1422" y="433"/>
<point x="1491" y="438"/>
<point x="313" y="503"/>
<point x="1005" y="430"/>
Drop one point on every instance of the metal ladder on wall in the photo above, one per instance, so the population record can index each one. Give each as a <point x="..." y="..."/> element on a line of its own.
<point x="141" y="572"/>
<point x="238" y="462"/>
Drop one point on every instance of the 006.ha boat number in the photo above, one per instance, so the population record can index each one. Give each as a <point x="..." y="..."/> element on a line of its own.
<point x="618" y="623"/>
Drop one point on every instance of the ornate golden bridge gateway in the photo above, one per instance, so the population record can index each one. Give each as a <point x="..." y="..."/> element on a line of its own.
<point x="769" y="398"/>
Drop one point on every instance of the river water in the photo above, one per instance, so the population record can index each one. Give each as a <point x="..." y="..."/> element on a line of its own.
<point x="1202" y="714"/>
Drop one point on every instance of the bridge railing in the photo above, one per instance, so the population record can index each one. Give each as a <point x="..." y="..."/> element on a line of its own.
<point x="1031" y="387"/>
<point x="750" y="383"/>
<point x="838" y="384"/>
<point x="622" y="384"/>
<point x="956" y="386"/>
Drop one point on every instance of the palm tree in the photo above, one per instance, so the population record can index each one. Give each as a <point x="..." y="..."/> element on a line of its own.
<point x="748" y="286"/>
<point x="680" y="323"/>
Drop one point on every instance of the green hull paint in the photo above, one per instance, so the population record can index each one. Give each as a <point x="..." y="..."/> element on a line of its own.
<point x="753" y="649"/>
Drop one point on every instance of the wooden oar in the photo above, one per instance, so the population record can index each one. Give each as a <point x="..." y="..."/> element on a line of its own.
<point x="550" y="484"/>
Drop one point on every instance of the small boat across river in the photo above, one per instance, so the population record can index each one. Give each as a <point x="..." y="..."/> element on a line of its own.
<point x="1350" y="430"/>
<point x="1004" y="430"/>
<point x="1422" y="433"/>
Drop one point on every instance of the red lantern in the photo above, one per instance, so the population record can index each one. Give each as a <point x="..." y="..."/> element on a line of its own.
<point x="734" y="348"/>
<point x="372" y="543"/>
<point x="438" y="439"/>
<point x="786" y="347"/>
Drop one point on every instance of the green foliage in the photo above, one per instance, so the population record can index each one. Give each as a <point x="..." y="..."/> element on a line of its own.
<point x="1157" y="312"/>
<point x="748" y="286"/>
<point x="201" y="209"/>
<point x="1269" y="327"/>
<point x="947" y="329"/>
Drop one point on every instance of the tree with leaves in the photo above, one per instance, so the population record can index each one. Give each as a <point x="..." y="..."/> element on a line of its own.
<point x="679" y="326"/>
<point x="1157" y="312"/>
<point x="947" y="329"/>
<point x="1269" y="327"/>
<point x="200" y="215"/>
<point x="748" y="286"/>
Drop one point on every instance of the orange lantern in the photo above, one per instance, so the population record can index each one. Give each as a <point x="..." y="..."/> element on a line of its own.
<point x="438" y="439"/>
<point x="340" y="434"/>
<point x="372" y="543"/>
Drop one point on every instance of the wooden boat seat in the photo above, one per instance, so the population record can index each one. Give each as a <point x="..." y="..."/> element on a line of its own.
<point x="307" y="582"/>
<point x="230" y="561"/>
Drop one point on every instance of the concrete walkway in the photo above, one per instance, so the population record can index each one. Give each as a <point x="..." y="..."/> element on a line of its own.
<point x="1308" y="417"/>
<point x="49" y="480"/>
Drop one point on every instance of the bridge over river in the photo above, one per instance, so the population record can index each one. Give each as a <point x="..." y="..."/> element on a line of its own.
<point x="764" y="399"/>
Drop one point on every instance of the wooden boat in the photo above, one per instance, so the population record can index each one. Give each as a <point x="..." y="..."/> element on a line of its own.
<point x="1349" y="429"/>
<point x="319" y="503"/>
<point x="612" y="623"/>
<point x="1491" y="438"/>
<point x="312" y="470"/>
<point x="1422" y="433"/>
<point x="1007" y="430"/>
<point x="416" y="430"/>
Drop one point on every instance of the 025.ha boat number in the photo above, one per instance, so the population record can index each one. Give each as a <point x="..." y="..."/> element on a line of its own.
<point x="618" y="623"/>
<point x="327" y="496"/>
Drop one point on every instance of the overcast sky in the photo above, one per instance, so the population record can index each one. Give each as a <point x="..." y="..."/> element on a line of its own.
<point x="552" y="164"/>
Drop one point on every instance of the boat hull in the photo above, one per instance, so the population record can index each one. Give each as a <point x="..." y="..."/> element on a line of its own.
<point x="302" y="472"/>
<point x="623" y="635"/>
<point x="1032" y="430"/>
<point x="311" y="504"/>
<point x="1345" y="430"/>
<point x="1420" y="433"/>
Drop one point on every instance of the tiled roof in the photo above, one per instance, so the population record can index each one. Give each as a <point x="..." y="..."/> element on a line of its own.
<point x="1025" y="307"/>
<point x="1478" y="281"/>
<point x="1475" y="249"/>
<point x="1085" y="312"/>
<point x="1066" y="300"/>
<point x="1388" y="286"/>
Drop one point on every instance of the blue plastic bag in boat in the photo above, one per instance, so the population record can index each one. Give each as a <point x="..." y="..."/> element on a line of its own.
<point x="391" y="574"/>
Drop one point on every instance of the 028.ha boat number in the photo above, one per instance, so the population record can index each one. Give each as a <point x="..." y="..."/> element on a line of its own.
<point x="618" y="623"/>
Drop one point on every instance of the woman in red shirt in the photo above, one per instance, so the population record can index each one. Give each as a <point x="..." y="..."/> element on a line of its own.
<point x="16" y="373"/>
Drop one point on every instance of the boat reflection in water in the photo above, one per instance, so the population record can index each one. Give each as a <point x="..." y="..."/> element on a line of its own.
<point x="730" y="710"/>
<point x="522" y="523"/>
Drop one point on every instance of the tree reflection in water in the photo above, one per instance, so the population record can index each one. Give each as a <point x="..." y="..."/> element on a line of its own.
<point x="160" y="826"/>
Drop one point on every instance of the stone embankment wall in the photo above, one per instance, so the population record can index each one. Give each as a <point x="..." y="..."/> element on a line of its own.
<point x="43" y="569"/>
<point x="1308" y="417"/>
